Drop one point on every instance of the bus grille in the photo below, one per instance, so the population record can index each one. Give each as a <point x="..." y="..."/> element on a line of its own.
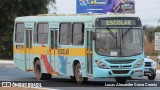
<point x="147" y="64"/>
<point x="120" y="71"/>
<point x="120" y="61"/>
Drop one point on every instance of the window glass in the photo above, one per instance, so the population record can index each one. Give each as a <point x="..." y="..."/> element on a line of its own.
<point x="65" y="34"/>
<point x="40" y="28"/>
<point x="78" y="34"/>
<point x="42" y="35"/>
<point x="19" y="33"/>
<point x="35" y="34"/>
<point x="45" y="28"/>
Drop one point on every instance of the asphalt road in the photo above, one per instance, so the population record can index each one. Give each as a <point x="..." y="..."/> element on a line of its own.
<point x="9" y="73"/>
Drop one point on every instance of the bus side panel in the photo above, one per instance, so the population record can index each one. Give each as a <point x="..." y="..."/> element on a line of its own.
<point x="40" y="52"/>
<point x="43" y="68"/>
<point x="19" y="62"/>
<point x="70" y="67"/>
<point x="65" y="63"/>
<point x="18" y="56"/>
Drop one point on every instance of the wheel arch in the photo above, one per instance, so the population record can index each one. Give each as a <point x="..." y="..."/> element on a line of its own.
<point x="35" y="59"/>
<point x="75" y="62"/>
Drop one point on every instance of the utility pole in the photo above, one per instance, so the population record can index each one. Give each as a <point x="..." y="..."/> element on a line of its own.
<point x="124" y="7"/>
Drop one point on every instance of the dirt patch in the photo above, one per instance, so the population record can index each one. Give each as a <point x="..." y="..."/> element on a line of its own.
<point x="153" y="57"/>
<point x="158" y="67"/>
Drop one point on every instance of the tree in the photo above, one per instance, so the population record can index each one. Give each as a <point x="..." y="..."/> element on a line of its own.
<point x="149" y="32"/>
<point x="10" y="9"/>
<point x="157" y="29"/>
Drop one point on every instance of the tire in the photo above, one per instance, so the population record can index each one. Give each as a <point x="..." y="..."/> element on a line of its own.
<point x="152" y="77"/>
<point x="129" y="78"/>
<point x="78" y="75"/>
<point x="73" y="78"/>
<point x="121" y="80"/>
<point x="47" y="76"/>
<point x="38" y="72"/>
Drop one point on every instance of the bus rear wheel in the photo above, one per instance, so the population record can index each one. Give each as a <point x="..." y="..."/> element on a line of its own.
<point x="38" y="72"/>
<point x="121" y="79"/>
<point x="78" y="75"/>
<point x="72" y="78"/>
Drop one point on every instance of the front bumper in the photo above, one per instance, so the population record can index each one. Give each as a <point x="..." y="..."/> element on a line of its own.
<point x="98" y="72"/>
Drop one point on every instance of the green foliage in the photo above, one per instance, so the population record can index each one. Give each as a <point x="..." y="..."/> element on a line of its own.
<point x="149" y="32"/>
<point x="9" y="10"/>
<point x="157" y="29"/>
<point x="152" y="54"/>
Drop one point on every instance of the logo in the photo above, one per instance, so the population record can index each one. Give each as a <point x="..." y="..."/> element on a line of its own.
<point x="6" y="84"/>
<point x="120" y="66"/>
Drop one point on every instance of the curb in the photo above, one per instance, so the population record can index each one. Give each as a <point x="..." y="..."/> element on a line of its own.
<point x="6" y="62"/>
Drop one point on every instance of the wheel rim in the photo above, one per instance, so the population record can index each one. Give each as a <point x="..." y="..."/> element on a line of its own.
<point x="79" y="74"/>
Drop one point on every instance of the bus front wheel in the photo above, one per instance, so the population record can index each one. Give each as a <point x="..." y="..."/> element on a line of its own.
<point x="78" y="74"/>
<point x="38" y="73"/>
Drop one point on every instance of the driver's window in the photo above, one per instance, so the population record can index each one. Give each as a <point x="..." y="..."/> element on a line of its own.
<point x="137" y="35"/>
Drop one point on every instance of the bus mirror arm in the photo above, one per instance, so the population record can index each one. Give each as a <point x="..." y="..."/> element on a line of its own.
<point x="93" y="35"/>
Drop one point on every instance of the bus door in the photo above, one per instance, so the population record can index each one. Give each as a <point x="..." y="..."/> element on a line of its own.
<point x="53" y="48"/>
<point x="28" y="49"/>
<point x="19" y="46"/>
<point x="89" y="53"/>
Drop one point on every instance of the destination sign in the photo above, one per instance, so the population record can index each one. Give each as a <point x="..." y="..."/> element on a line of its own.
<point x="118" y="22"/>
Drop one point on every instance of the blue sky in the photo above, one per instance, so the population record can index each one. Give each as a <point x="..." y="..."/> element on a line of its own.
<point x="147" y="10"/>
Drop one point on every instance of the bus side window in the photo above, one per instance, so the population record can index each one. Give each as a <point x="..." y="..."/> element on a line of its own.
<point x="78" y="34"/>
<point x="35" y="34"/>
<point x="42" y="33"/>
<point x="65" y="34"/>
<point x="19" y="33"/>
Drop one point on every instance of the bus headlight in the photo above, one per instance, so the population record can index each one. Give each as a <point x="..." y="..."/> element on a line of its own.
<point x="101" y="64"/>
<point x="139" y="64"/>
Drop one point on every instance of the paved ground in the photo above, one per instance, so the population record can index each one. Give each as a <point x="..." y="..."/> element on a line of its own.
<point x="9" y="73"/>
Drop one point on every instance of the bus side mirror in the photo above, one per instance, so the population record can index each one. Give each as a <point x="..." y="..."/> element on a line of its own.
<point x="93" y="35"/>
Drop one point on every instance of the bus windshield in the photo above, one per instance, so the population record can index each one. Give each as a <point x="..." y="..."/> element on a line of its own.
<point x="119" y="42"/>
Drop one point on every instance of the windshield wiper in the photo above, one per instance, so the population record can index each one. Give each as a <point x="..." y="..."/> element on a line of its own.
<point x="113" y="35"/>
<point x="123" y="35"/>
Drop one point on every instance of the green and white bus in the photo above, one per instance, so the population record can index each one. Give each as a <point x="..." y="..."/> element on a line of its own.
<point x="79" y="46"/>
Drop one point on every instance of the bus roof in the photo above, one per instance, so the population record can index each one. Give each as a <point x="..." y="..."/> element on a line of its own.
<point x="67" y="18"/>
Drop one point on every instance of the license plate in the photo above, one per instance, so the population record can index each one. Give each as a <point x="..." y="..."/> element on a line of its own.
<point x="146" y="69"/>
